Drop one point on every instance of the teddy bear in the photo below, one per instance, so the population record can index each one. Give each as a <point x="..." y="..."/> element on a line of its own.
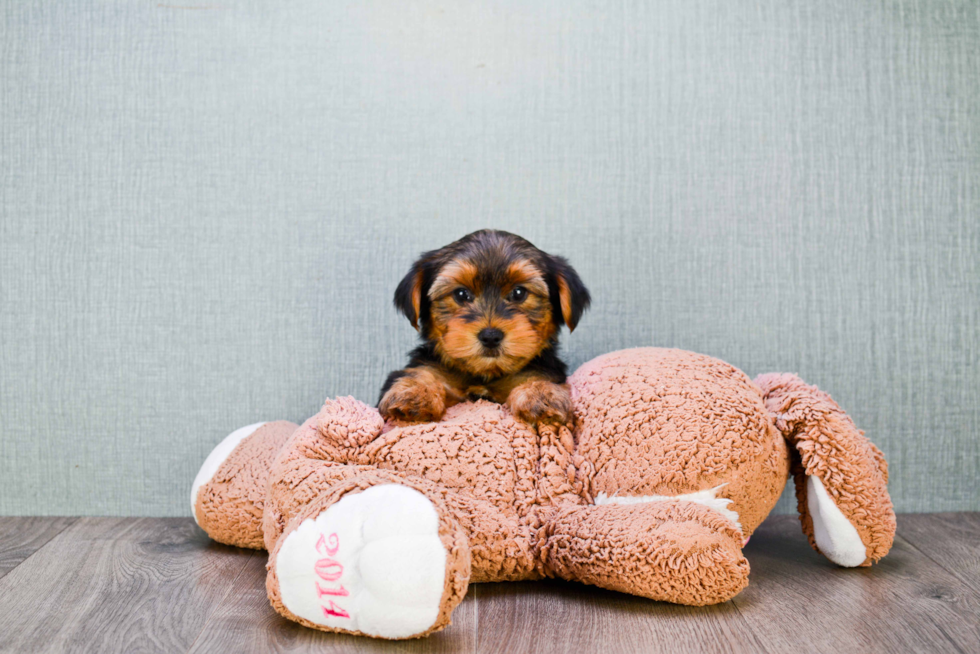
<point x="673" y="460"/>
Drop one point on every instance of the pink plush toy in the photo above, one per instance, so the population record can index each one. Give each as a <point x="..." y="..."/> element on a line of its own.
<point x="674" y="460"/>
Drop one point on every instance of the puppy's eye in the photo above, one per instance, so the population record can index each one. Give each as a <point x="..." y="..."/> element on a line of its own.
<point x="518" y="294"/>
<point x="462" y="296"/>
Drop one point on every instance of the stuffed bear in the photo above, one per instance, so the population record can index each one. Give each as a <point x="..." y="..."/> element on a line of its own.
<point x="673" y="461"/>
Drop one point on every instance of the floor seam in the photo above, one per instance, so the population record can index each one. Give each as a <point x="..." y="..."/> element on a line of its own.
<point x="74" y="520"/>
<point x="220" y="602"/>
<point x="948" y="638"/>
<point x="969" y="584"/>
<point x="755" y="636"/>
<point x="476" y="618"/>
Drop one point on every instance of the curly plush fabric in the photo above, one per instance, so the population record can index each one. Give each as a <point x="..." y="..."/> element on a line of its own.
<point x="230" y="505"/>
<point x="830" y="448"/>
<point x="662" y="422"/>
<point x="673" y="551"/>
<point x="674" y="459"/>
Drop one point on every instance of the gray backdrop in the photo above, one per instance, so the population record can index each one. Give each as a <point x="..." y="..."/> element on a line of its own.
<point x="204" y="211"/>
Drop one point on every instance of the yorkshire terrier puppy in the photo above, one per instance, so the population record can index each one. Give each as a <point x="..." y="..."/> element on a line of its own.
<point x="488" y="309"/>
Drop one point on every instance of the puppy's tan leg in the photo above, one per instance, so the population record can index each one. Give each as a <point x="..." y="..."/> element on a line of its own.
<point x="421" y="395"/>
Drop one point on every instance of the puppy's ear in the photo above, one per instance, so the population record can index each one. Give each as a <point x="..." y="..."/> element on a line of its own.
<point x="573" y="297"/>
<point x="408" y="295"/>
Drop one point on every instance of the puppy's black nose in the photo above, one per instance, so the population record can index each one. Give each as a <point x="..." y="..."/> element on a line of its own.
<point x="490" y="337"/>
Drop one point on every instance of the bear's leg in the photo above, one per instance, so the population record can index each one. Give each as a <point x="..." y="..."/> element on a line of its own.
<point x="228" y="495"/>
<point x="373" y="555"/>
<point x="672" y="550"/>
<point x="841" y="477"/>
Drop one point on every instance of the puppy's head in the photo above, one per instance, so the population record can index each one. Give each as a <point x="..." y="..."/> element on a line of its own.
<point x="491" y="301"/>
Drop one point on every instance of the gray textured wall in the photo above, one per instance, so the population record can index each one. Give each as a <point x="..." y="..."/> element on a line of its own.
<point x="204" y="212"/>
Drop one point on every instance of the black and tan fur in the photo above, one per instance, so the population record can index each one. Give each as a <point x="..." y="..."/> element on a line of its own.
<point x="486" y="286"/>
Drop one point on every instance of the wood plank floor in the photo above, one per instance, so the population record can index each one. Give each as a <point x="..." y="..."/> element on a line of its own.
<point x="160" y="585"/>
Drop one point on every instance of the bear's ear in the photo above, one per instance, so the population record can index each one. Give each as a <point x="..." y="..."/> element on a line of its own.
<point x="408" y="295"/>
<point x="573" y="297"/>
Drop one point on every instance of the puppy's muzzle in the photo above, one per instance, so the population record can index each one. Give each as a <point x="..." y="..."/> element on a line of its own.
<point x="490" y="337"/>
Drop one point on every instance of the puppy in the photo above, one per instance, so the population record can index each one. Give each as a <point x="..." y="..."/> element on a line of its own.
<point x="488" y="309"/>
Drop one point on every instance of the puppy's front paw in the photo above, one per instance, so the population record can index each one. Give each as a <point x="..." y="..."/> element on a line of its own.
<point x="416" y="397"/>
<point x="541" y="402"/>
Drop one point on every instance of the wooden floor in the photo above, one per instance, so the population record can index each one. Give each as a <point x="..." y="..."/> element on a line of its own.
<point x="133" y="585"/>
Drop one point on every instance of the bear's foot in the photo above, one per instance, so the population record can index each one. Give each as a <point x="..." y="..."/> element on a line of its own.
<point x="841" y="478"/>
<point x="670" y="550"/>
<point x="382" y="562"/>
<point x="833" y="533"/>
<point x="228" y="495"/>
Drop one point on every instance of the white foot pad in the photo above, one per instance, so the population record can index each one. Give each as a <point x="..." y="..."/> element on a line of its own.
<point x="836" y="537"/>
<point x="373" y="562"/>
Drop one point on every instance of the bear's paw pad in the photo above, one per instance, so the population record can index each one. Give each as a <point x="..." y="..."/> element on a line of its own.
<point x="373" y="562"/>
<point x="836" y="537"/>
